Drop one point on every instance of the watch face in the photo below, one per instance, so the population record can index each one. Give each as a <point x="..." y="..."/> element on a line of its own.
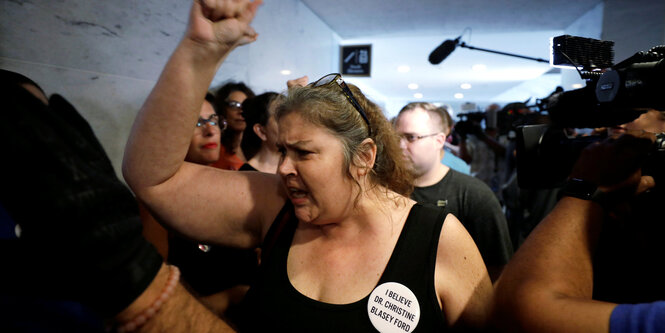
<point x="579" y="188"/>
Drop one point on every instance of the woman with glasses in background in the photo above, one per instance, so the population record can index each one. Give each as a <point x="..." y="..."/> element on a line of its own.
<point x="343" y="247"/>
<point x="228" y="103"/>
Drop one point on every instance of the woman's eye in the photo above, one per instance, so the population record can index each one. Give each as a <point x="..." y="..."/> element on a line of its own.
<point x="303" y="152"/>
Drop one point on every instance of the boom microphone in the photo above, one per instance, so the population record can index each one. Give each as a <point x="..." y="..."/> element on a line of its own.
<point x="443" y="51"/>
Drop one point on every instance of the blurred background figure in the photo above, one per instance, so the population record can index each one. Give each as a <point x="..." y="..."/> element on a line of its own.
<point x="451" y="145"/>
<point x="524" y="207"/>
<point x="479" y="148"/>
<point x="228" y="103"/>
<point x="260" y="135"/>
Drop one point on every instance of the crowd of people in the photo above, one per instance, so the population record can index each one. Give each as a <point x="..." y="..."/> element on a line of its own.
<point x="308" y="210"/>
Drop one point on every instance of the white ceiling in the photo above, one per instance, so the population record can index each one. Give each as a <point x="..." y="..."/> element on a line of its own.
<point x="405" y="32"/>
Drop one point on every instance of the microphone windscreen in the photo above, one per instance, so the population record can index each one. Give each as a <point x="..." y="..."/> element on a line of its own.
<point x="442" y="51"/>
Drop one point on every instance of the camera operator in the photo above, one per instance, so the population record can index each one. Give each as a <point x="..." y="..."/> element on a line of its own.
<point x="479" y="148"/>
<point x="552" y="283"/>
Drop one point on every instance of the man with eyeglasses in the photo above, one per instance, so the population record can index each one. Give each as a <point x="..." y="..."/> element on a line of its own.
<point x="423" y="128"/>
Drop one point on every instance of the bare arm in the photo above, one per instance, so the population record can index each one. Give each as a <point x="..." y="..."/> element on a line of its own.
<point x="462" y="283"/>
<point x="547" y="286"/>
<point x="200" y="202"/>
<point x="180" y="313"/>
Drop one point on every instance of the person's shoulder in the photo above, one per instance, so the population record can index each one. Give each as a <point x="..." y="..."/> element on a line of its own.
<point x="460" y="177"/>
<point x="471" y="186"/>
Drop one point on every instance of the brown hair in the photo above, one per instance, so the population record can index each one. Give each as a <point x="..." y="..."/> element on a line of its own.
<point x="326" y="106"/>
<point x="441" y="111"/>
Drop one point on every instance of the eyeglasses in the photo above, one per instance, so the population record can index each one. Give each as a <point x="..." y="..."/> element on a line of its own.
<point x="337" y="78"/>
<point x="234" y="104"/>
<point x="213" y="120"/>
<point x="413" y="138"/>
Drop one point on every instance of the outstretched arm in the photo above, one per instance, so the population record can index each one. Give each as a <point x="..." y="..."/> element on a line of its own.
<point x="547" y="286"/>
<point x="193" y="199"/>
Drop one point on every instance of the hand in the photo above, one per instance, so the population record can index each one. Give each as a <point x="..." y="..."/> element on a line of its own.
<point x="222" y="23"/>
<point x="299" y="82"/>
<point x="615" y="164"/>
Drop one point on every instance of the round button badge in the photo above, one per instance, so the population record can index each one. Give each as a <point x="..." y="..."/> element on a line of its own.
<point x="393" y="308"/>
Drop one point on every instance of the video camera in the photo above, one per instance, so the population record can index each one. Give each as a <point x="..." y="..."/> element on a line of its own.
<point x="469" y="123"/>
<point x="614" y="95"/>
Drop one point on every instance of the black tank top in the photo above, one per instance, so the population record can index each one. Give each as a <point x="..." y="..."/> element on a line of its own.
<point x="273" y="304"/>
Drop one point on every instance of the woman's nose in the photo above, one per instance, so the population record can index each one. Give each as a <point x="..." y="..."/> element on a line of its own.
<point x="285" y="167"/>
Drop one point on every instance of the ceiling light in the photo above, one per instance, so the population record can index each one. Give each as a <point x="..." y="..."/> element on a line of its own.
<point x="418" y="95"/>
<point x="413" y="86"/>
<point x="285" y="72"/>
<point x="577" y="85"/>
<point x="478" y="67"/>
<point x="459" y="95"/>
<point x="465" y="86"/>
<point x="403" y="69"/>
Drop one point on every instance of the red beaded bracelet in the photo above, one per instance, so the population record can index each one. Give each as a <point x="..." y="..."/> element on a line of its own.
<point x="145" y="315"/>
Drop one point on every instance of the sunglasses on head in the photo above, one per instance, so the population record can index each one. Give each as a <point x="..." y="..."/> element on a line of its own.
<point x="336" y="78"/>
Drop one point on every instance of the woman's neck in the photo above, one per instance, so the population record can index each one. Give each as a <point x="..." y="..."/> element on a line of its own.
<point x="231" y="142"/>
<point x="265" y="160"/>
<point x="378" y="211"/>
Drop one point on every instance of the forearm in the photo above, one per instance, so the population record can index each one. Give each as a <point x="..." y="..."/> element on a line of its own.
<point x="547" y="286"/>
<point x="162" y="130"/>
<point x="181" y="312"/>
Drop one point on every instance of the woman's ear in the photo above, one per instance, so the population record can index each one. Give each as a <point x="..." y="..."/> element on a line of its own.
<point x="365" y="156"/>
<point x="260" y="132"/>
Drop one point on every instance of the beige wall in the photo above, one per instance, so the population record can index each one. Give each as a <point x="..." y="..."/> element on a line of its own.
<point x="105" y="56"/>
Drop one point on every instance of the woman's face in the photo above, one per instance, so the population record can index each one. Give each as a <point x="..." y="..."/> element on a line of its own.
<point x="311" y="168"/>
<point x="234" y="111"/>
<point x="204" y="146"/>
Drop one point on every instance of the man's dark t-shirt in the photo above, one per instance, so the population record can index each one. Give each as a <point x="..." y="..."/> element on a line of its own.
<point x="474" y="204"/>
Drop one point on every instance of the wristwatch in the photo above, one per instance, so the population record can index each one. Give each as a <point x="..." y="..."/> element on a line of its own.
<point x="582" y="189"/>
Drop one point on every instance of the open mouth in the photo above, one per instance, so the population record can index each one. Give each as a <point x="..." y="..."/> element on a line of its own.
<point x="297" y="195"/>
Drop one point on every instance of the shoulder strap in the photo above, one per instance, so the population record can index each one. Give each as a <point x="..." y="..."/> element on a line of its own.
<point x="282" y="219"/>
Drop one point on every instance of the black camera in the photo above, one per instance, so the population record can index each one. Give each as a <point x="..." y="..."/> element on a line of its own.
<point x="469" y="123"/>
<point x="616" y="95"/>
